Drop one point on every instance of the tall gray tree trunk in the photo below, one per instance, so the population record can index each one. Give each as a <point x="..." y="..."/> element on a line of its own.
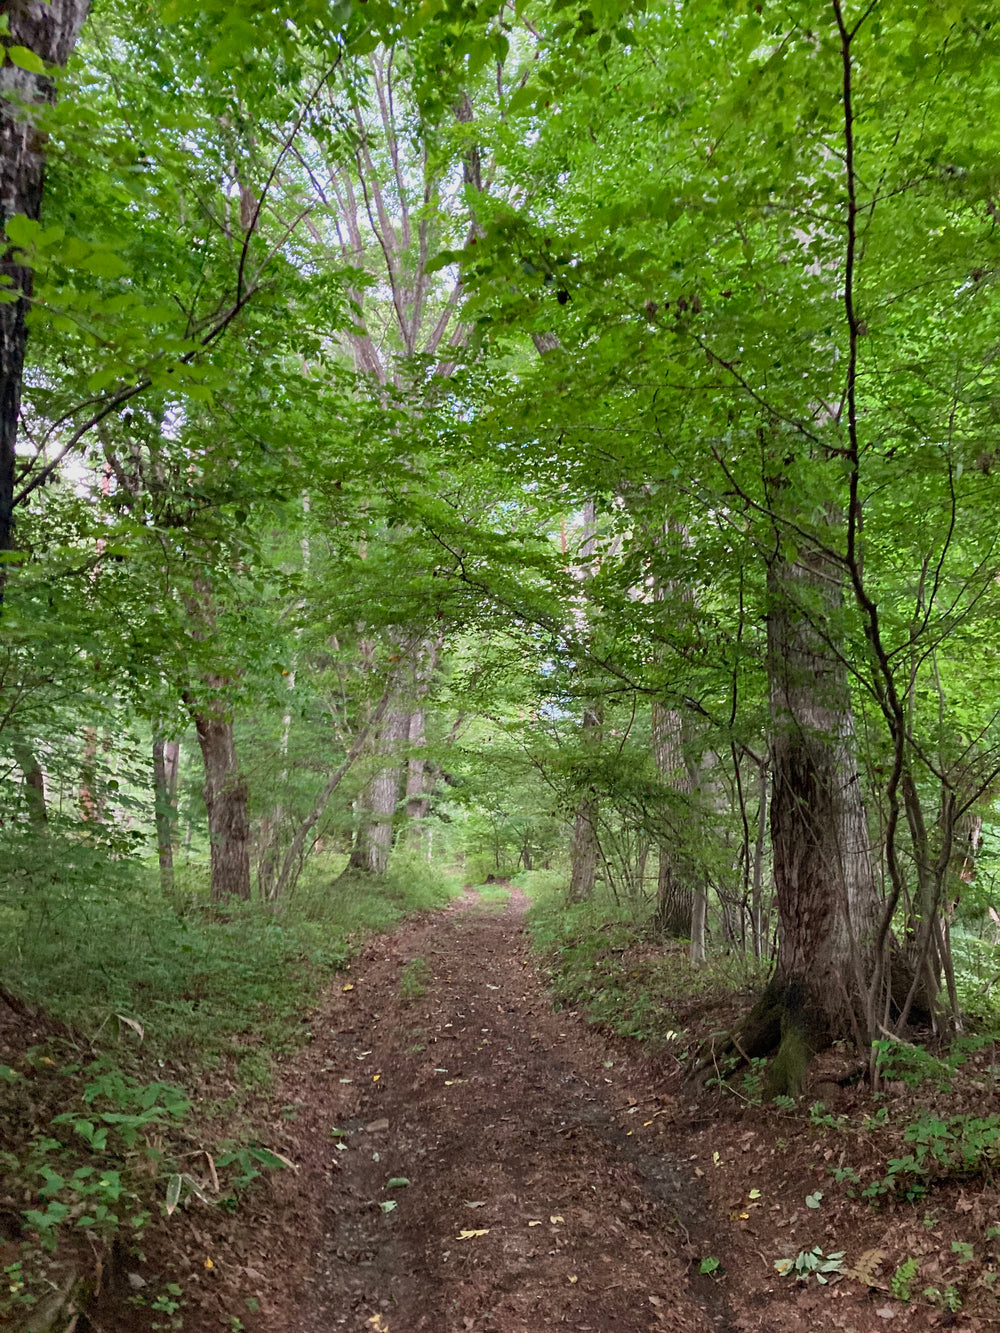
<point x="585" y="849"/>
<point x="226" y="794"/>
<point x="674" y="895"/>
<point x="375" y="834"/>
<point x="50" y="29"/>
<point x="166" y="758"/>
<point x="418" y="796"/>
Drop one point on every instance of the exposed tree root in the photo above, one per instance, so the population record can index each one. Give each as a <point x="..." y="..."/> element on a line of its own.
<point x="783" y="1024"/>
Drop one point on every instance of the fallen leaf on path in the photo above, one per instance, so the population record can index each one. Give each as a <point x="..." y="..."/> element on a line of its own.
<point x="349" y="986"/>
<point x="534" y="1224"/>
<point x="574" y="1278"/>
<point x="475" y="1203"/>
<point x="470" y="1235"/>
<point x="376" y="1126"/>
<point x="379" y="1323"/>
<point x="556" y="1217"/>
<point x="886" y="1312"/>
<point x="376" y="1077"/>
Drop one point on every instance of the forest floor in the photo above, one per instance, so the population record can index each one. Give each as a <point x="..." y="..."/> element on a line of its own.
<point x="468" y="1160"/>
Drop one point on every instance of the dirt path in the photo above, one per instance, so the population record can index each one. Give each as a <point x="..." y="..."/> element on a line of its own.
<point x="533" y="1201"/>
<point x="468" y="1161"/>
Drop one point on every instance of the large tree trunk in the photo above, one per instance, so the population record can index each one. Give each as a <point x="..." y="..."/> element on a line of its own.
<point x="674" y="896"/>
<point x="50" y="28"/>
<point x="824" y="882"/>
<point x="374" y="839"/>
<point x="166" y="757"/>
<point x="418" y="781"/>
<point x="226" y="802"/>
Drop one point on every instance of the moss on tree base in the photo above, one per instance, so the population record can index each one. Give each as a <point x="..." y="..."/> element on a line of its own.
<point x="786" y="1023"/>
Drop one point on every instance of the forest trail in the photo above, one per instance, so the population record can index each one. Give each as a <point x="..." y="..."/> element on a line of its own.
<point x="533" y="1202"/>
<point x="556" y="1176"/>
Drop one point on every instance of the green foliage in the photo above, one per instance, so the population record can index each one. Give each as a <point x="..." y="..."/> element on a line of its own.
<point x="599" y="959"/>
<point x="961" y="1147"/>
<point x="902" y="1278"/>
<point x="812" y="1263"/>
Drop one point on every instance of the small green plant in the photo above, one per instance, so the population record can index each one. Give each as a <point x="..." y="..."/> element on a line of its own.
<point x="812" y="1263"/>
<point x="783" y="1102"/>
<point x="414" y="979"/>
<point x="902" y="1279"/>
<point x="15" y="1292"/>
<point x="961" y="1147"/>
<point x="949" y="1299"/>
<point x="822" y="1119"/>
<point x="842" y="1173"/>
<point x="168" y="1303"/>
<point x="247" y="1162"/>
<point x="710" y="1265"/>
<point x="899" y="1063"/>
<point x="964" y="1250"/>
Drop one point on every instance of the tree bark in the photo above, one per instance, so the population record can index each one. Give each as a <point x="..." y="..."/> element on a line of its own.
<point x="50" y="29"/>
<point x="34" y="781"/>
<point x="226" y="796"/>
<point x="824" y="882"/>
<point x="166" y="757"/>
<point x="374" y="840"/>
<point x="585" y="848"/>
<point x="674" y="897"/>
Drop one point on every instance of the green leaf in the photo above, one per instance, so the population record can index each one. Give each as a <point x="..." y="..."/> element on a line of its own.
<point x="22" y="230"/>
<point x="397" y="1182"/>
<point x="25" y="58"/>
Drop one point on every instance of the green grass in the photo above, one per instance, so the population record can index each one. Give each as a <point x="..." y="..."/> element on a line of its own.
<point x="495" y="897"/>
<point x="600" y="959"/>
<point x="90" y="939"/>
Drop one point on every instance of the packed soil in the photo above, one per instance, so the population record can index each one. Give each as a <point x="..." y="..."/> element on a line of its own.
<point x="468" y="1160"/>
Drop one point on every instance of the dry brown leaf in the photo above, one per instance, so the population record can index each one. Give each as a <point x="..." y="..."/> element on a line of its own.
<point x="865" y="1270"/>
<point x="470" y="1235"/>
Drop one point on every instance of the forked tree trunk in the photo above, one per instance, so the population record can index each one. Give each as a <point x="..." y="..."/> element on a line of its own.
<point x="823" y="878"/>
<point x="50" y="29"/>
<point x="166" y="757"/>
<point x="226" y="795"/>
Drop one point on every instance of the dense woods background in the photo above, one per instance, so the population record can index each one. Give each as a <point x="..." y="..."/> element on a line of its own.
<point x="458" y="441"/>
